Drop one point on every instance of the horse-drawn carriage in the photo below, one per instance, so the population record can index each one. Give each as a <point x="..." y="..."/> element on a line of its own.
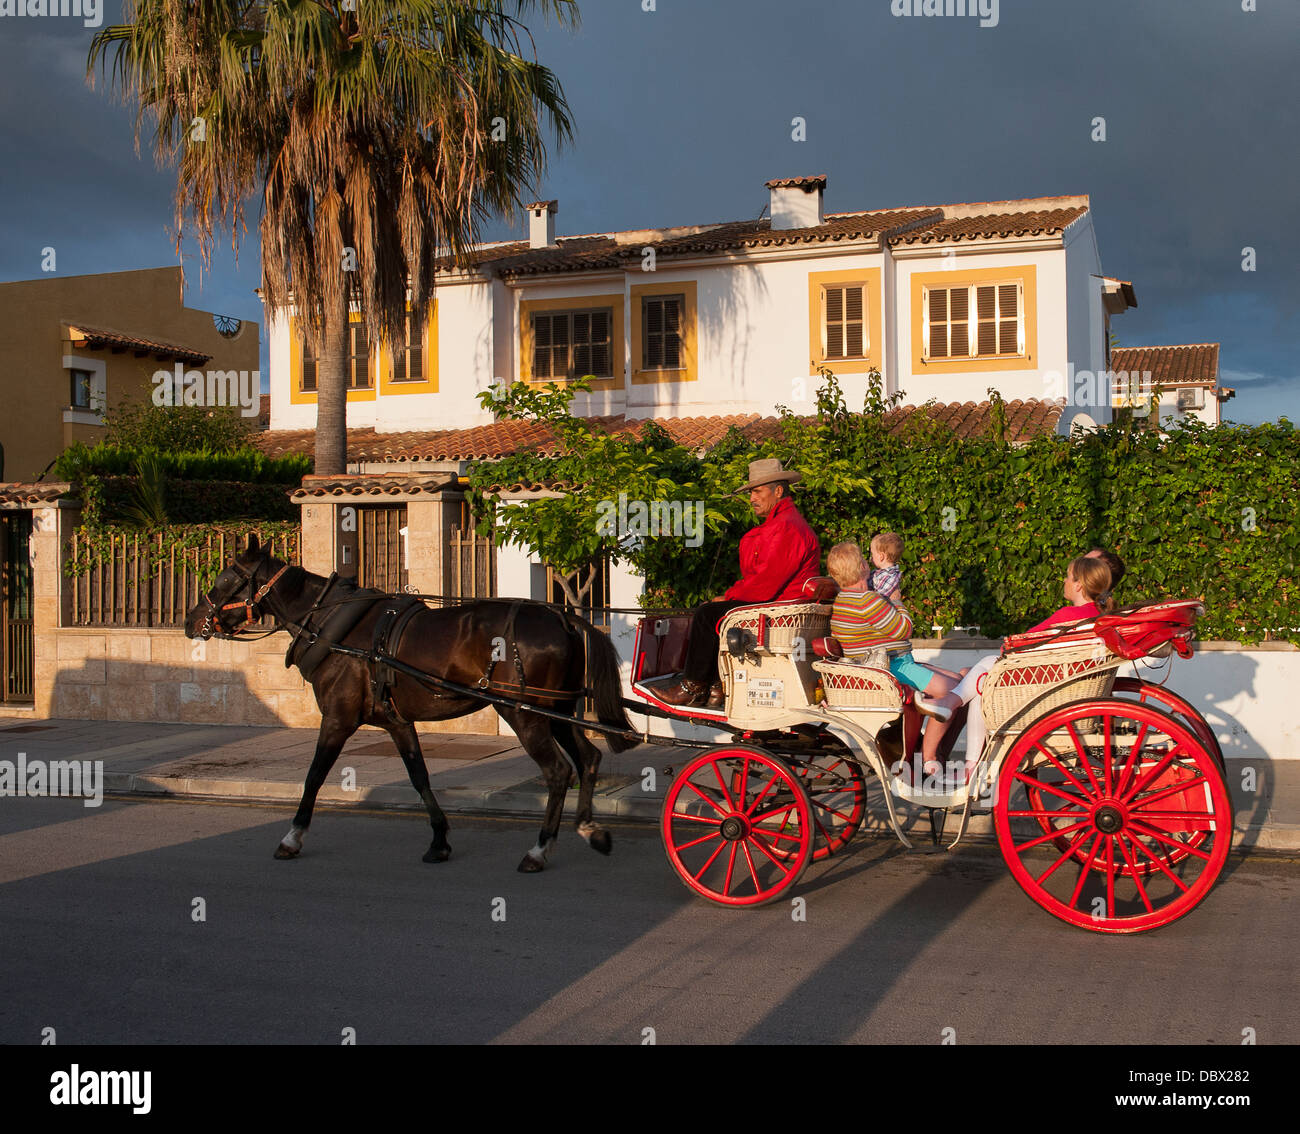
<point x="1107" y="794"/>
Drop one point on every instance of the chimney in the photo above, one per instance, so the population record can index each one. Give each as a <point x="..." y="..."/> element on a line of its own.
<point x="797" y="201"/>
<point x="541" y="224"/>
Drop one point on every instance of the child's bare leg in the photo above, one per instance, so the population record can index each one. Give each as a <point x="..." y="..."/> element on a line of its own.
<point x="939" y="687"/>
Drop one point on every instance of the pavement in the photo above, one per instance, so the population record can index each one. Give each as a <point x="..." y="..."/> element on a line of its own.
<point x="480" y="774"/>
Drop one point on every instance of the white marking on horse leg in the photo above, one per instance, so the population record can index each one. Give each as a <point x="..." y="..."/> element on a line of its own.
<point x="586" y="829"/>
<point x="293" y="840"/>
<point x="540" y="852"/>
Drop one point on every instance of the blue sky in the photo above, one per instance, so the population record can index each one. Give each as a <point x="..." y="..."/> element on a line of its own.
<point x="684" y="111"/>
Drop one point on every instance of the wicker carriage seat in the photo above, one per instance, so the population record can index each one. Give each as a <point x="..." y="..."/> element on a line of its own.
<point x="786" y="627"/>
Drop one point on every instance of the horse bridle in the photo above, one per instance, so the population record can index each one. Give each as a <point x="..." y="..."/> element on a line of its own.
<point x="210" y="626"/>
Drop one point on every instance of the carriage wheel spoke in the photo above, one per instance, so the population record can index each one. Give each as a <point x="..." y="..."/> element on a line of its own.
<point x="758" y="842"/>
<point x="1064" y="771"/>
<point x="716" y="765"/>
<point x="1151" y="832"/>
<point x="1153" y="773"/>
<point x="760" y="797"/>
<point x="1134" y="872"/>
<point x="697" y="842"/>
<point x="1110" y="877"/>
<point x="713" y="856"/>
<point x="1032" y="781"/>
<point x="711" y="819"/>
<point x="1064" y="855"/>
<point x="1139" y="845"/>
<point x="1181" y="785"/>
<point x="731" y="865"/>
<point x="1075" y="814"/>
<point x="1085" y="869"/>
<point x="1133" y="759"/>
<point x="1081" y="750"/>
<point x="709" y="799"/>
<point x="749" y="862"/>
<point x="1056" y="833"/>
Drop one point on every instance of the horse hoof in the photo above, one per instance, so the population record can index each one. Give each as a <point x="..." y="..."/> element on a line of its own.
<point x="437" y="854"/>
<point x="283" y="851"/>
<point x="601" y="841"/>
<point x="530" y="865"/>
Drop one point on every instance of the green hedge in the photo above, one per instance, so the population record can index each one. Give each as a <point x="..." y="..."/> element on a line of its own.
<point x="1201" y="512"/>
<point x="78" y="461"/>
<point x="989" y="528"/>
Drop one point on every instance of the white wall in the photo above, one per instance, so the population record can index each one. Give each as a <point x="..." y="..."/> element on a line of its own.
<point x="1053" y="353"/>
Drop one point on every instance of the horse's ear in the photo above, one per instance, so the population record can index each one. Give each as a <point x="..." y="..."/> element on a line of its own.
<point x="252" y="542"/>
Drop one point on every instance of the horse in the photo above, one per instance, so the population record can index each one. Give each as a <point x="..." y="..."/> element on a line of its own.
<point x="530" y="652"/>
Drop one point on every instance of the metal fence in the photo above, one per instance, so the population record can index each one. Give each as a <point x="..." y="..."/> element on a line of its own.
<point x="134" y="582"/>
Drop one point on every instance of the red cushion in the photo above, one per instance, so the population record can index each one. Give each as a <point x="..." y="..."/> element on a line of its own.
<point x="820" y="589"/>
<point x="827" y="648"/>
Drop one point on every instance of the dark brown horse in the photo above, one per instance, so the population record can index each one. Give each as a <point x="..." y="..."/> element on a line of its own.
<point x="530" y="652"/>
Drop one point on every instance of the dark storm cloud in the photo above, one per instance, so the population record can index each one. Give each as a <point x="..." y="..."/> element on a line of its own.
<point x="684" y="111"/>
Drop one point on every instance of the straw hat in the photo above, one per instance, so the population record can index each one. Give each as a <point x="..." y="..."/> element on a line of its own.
<point x="769" y="471"/>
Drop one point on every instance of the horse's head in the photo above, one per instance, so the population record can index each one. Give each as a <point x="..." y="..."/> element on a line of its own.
<point x="234" y="600"/>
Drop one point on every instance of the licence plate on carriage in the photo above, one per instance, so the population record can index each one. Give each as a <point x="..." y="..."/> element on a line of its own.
<point x="765" y="693"/>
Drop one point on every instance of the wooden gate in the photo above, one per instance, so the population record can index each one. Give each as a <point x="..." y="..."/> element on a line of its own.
<point x="381" y="547"/>
<point x="471" y="563"/>
<point x="16" y="638"/>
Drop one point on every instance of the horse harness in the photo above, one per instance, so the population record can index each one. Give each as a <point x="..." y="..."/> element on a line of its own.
<point x="386" y="640"/>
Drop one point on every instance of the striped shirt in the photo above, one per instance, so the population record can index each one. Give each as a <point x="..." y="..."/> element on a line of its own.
<point x="863" y="621"/>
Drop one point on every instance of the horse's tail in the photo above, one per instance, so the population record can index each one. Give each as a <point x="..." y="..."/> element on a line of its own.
<point x="606" y="683"/>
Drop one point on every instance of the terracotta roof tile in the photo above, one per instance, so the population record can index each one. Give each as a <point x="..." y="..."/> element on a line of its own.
<point x="1189" y="364"/>
<point x="17" y="492"/>
<point x="95" y="338"/>
<point x="387" y="484"/>
<point x="488" y="442"/>
<point x="1042" y="222"/>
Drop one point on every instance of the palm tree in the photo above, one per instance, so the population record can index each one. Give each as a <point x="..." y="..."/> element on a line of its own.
<point x="380" y="133"/>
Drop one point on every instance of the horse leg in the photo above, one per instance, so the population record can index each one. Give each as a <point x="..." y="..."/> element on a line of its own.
<point x="333" y="735"/>
<point x="535" y="734"/>
<point x="408" y="747"/>
<point x="586" y="758"/>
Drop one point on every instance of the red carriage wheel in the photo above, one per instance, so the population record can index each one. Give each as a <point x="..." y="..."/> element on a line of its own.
<point x="837" y="791"/>
<point x="1177" y="707"/>
<point x="1112" y="816"/>
<point x="737" y="826"/>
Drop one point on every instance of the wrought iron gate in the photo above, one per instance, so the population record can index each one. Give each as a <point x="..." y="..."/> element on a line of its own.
<point x="16" y="638"/>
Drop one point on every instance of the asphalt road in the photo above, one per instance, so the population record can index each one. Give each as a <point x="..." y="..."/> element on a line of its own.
<point x="101" y="942"/>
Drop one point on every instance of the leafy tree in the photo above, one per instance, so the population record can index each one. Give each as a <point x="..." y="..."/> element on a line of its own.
<point x="177" y="429"/>
<point x="379" y="135"/>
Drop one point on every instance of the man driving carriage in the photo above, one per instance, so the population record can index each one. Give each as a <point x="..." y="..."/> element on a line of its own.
<point x="776" y="558"/>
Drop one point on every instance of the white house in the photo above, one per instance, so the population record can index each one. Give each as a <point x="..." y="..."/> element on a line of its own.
<point x="735" y="318"/>
<point x="1187" y="377"/>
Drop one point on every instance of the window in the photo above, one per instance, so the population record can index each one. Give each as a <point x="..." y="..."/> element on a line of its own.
<point x="80" y="389"/>
<point x="357" y="367"/>
<point x="661" y="331"/>
<point x="408" y="364"/>
<point x="844" y="329"/>
<point x="308" y="365"/>
<point x="358" y="370"/>
<point x="984" y="320"/>
<point x="569" y="344"/>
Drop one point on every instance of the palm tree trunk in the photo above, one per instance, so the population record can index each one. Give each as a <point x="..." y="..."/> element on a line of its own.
<point x="332" y="395"/>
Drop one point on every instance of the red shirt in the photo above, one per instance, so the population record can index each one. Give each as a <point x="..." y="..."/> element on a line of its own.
<point x="776" y="557"/>
<point x="1067" y="614"/>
